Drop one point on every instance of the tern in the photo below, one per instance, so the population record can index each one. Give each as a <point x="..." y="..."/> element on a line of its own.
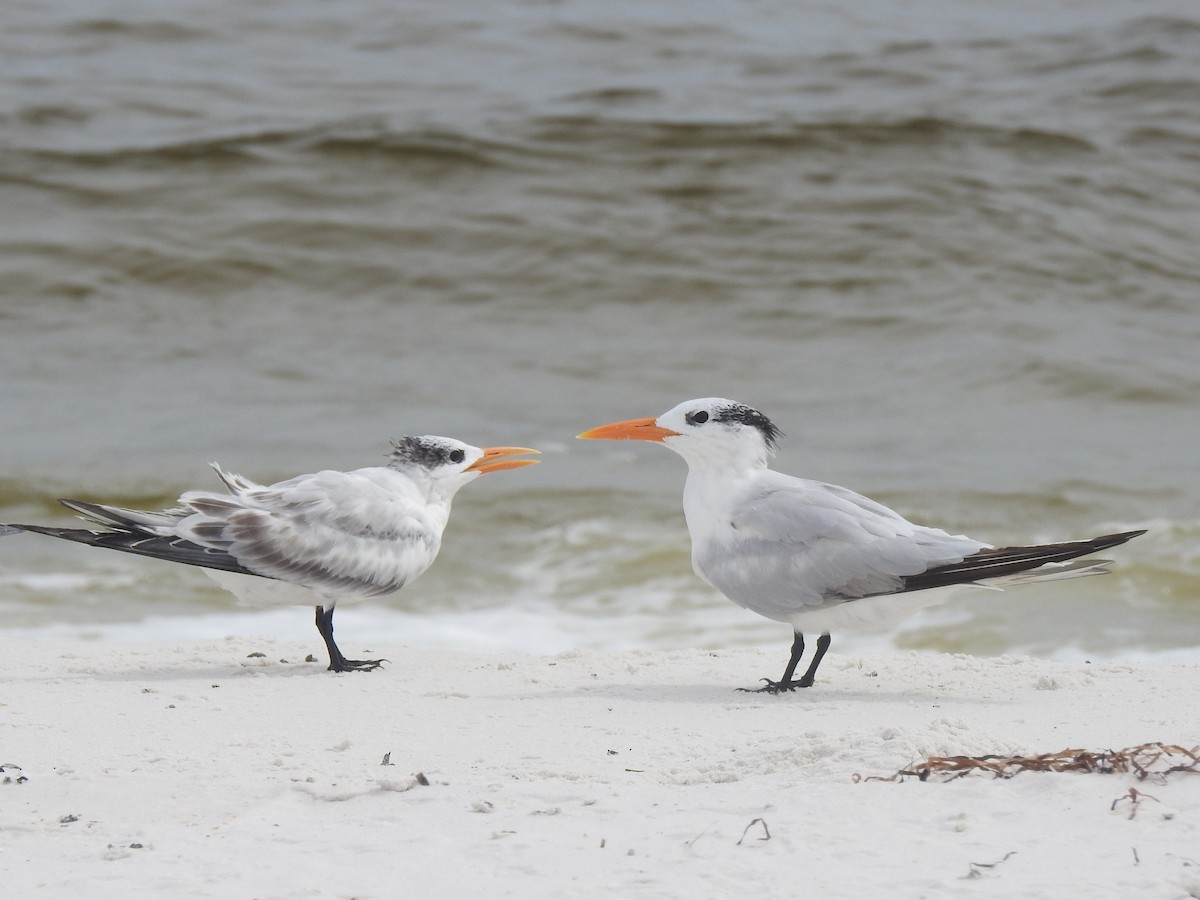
<point x="315" y="540"/>
<point x="817" y="556"/>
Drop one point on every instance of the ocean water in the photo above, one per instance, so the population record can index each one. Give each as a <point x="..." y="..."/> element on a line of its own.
<point x="951" y="249"/>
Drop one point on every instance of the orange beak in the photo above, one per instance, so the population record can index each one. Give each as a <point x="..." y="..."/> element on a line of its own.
<point x="631" y="430"/>
<point x="494" y="459"/>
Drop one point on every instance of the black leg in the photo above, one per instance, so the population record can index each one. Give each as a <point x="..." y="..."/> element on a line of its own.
<point x="811" y="674"/>
<point x="337" y="662"/>
<point x="786" y="683"/>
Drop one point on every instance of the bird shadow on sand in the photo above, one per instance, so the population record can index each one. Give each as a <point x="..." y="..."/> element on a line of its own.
<point x="189" y="670"/>
<point x="729" y="696"/>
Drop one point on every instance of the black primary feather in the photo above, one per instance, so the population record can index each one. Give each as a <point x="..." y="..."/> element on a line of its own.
<point x="130" y="536"/>
<point x="172" y="549"/>
<point x="999" y="562"/>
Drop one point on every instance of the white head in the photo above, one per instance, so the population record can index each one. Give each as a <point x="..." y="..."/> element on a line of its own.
<point x="449" y="464"/>
<point x="708" y="431"/>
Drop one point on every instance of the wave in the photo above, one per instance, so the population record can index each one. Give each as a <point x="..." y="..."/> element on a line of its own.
<point x="627" y="136"/>
<point x="607" y="569"/>
<point x="542" y="140"/>
<point x="1175" y="27"/>
<point x="154" y="31"/>
<point x="336" y="140"/>
<point x="1185" y="145"/>
<point x="1153" y="89"/>
<point x="1081" y="379"/>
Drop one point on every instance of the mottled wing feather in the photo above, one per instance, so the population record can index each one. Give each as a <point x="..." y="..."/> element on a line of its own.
<point x="320" y="530"/>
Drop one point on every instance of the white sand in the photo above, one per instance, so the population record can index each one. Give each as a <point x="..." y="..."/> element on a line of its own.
<point x="193" y="771"/>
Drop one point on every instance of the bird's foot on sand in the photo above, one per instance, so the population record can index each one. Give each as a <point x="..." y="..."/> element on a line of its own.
<point x="356" y="665"/>
<point x="778" y="687"/>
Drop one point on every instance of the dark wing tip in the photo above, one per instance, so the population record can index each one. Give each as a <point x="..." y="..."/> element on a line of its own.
<point x="998" y="562"/>
<point x="1104" y="541"/>
<point x="171" y="549"/>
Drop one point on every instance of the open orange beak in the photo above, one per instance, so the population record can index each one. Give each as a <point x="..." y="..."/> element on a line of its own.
<point x="495" y="459"/>
<point x="631" y="430"/>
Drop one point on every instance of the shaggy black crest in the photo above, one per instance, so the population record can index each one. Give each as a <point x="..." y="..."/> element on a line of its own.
<point x="423" y="452"/>
<point x="747" y="415"/>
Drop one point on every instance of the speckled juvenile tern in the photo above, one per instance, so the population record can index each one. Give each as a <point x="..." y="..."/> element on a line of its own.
<point x="817" y="556"/>
<point x="320" y="540"/>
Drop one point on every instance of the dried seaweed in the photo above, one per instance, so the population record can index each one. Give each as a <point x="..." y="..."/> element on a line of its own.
<point x="1134" y="796"/>
<point x="1145" y="761"/>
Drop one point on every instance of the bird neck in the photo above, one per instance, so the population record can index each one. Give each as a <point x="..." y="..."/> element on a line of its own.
<point x="724" y="462"/>
<point x="711" y="492"/>
<point x="416" y="480"/>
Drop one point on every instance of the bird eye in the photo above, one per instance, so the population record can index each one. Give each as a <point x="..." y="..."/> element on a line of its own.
<point x="697" y="418"/>
<point x="457" y="456"/>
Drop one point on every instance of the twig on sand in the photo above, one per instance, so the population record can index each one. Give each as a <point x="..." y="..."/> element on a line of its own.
<point x="973" y="868"/>
<point x="766" y="831"/>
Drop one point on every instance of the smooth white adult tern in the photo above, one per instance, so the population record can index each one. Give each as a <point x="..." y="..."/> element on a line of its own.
<point x="817" y="556"/>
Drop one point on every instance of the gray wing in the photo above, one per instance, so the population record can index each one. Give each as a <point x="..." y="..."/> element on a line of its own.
<point x="800" y="545"/>
<point x="361" y="533"/>
<point x="364" y="533"/>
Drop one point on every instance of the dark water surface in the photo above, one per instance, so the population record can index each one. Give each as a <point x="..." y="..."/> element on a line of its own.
<point x="951" y="251"/>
